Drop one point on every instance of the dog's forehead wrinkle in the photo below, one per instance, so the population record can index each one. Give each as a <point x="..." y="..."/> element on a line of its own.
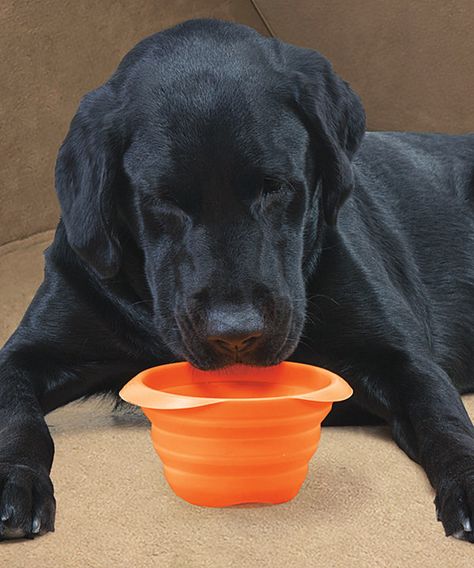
<point x="225" y="129"/>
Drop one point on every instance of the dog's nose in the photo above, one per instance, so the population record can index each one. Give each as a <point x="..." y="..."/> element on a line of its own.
<point x="240" y="342"/>
<point x="232" y="329"/>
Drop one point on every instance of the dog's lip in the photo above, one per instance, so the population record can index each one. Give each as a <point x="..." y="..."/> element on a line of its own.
<point x="230" y="363"/>
<point x="219" y="360"/>
<point x="215" y="363"/>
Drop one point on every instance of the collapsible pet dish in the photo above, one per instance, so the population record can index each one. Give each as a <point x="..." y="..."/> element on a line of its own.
<point x="237" y="435"/>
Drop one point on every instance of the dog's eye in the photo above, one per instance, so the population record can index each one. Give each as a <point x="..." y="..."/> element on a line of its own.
<point x="271" y="186"/>
<point x="167" y="198"/>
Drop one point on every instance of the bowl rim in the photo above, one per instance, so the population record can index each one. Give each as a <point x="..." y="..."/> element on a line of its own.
<point x="140" y="394"/>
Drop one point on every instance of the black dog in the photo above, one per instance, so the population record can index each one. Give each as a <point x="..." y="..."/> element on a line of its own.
<point x="200" y="189"/>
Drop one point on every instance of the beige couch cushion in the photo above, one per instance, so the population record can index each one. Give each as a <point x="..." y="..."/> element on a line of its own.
<point x="364" y="504"/>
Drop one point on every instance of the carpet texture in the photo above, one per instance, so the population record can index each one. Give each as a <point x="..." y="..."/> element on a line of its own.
<point x="363" y="504"/>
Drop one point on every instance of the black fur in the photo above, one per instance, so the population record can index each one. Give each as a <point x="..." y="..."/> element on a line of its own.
<point x="219" y="191"/>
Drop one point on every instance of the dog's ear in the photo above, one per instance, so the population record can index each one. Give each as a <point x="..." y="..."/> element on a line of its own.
<point x="335" y="119"/>
<point x="86" y="173"/>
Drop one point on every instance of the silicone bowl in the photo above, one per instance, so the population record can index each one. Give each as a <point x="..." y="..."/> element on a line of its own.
<point x="238" y="435"/>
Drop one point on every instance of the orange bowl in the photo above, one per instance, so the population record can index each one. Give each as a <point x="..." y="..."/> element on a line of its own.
<point x="237" y="435"/>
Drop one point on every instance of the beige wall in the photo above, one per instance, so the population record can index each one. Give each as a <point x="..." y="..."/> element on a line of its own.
<point x="412" y="61"/>
<point x="52" y="52"/>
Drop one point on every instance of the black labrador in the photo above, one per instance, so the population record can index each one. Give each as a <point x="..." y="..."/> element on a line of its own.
<point x="202" y="191"/>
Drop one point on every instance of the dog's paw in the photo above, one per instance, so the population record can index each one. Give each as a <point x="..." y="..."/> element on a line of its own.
<point x="455" y="506"/>
<point x="27" y="503"/>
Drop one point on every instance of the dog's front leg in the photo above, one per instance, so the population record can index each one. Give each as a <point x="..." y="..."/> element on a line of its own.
<point x="60" y="352"/>
<point x="32" y="383"/>
<point x="27" y="504"/>
<point x="430" y="423"/>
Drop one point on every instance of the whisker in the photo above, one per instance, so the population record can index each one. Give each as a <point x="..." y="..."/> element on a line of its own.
<point x="142" y="302"/>
<point x="323" y="296"/>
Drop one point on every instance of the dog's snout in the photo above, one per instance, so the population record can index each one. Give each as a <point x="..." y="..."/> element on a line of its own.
<point x="234" y="329"/>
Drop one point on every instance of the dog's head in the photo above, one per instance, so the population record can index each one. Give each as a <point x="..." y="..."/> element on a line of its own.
<point x="214" y="157"/>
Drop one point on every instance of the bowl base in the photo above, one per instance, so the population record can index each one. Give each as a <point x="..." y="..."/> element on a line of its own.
<point x="235" y="491"/>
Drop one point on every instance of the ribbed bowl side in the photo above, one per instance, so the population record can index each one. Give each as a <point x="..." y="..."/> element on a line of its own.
<point x="238" y="452"/>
